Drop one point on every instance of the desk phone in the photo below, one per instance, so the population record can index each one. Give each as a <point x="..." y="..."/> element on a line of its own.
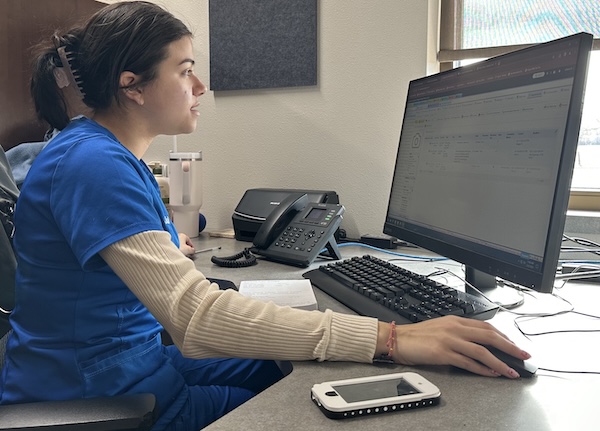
<point x="297" y="231"/>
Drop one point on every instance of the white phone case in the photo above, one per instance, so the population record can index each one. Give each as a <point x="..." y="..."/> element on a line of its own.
<point x="366" y="396"/>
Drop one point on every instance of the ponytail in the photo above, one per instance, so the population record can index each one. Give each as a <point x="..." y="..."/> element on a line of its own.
<point x="49" y="99"/>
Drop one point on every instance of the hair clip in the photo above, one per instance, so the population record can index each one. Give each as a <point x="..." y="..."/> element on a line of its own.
<point x="65" y="75"/>
<point x="61" y="78"/>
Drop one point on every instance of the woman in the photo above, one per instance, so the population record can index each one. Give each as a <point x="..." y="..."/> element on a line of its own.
<point x="101" y="269"/>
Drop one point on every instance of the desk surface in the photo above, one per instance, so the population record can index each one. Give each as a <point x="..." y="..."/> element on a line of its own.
<point x="548" y="401"/>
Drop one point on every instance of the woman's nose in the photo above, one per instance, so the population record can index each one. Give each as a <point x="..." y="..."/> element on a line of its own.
<point x="199" y="88"/>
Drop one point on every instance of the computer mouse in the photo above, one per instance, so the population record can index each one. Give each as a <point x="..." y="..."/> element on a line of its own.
<point x="524" y="368"/>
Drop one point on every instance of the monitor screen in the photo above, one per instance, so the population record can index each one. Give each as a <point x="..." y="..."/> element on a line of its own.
<point x="485" y="159"/>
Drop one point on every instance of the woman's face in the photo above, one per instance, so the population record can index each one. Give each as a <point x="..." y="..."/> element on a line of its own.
<point x="170" y="101"/>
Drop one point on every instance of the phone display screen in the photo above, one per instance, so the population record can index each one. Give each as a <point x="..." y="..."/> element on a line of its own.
<point x="375" y="390"/>
<point x="315" y="214"/>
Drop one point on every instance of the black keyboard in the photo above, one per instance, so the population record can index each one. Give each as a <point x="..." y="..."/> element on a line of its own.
<point x="373" y="287"/>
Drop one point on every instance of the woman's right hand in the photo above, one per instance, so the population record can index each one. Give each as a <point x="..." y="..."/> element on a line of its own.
<point x="453" y="341"/>
<point x="186" y="245"/>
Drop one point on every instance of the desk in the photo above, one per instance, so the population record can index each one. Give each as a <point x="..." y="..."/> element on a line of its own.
<point x="549" y="401"/>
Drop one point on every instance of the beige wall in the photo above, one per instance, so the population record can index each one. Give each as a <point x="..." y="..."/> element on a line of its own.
<point x="340" y="135"/>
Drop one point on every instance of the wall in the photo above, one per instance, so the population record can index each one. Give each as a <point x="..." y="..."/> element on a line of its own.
<point x="23" y="24"/>
<point x="340" y="135"/>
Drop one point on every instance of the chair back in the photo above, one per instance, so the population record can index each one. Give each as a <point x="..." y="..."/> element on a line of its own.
<point x="3" y="342"/>
<point x="8" y="264"/>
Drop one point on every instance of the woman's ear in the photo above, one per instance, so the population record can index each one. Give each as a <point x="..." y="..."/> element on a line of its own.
<point x="128" y="82"/>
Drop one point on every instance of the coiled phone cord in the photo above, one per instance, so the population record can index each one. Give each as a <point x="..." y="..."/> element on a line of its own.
<point x="240" y="260"/>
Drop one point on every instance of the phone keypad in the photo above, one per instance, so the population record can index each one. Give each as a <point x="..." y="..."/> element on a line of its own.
<point x="299" y="238"/>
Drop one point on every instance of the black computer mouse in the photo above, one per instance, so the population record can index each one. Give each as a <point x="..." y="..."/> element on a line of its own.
<point x="524" y="368"/>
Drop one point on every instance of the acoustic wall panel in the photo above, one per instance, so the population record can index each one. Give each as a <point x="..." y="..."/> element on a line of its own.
<point x="262" y="43"/>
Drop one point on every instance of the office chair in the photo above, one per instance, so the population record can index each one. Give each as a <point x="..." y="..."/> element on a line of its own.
<point x="125" y="412"/>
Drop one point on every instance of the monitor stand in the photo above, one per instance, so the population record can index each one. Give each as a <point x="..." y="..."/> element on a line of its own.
<point x="504" y="296"/>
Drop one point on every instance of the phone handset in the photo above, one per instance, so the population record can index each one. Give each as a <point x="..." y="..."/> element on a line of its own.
<point x="279" y="218"/>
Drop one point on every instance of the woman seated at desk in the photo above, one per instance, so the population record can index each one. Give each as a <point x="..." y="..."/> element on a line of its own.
<point x="102" y="270"/>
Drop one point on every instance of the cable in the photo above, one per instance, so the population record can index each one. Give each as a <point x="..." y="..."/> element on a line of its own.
<point x="568" y="371"/>
<point x="581" y="241"/>
<point x="521" y="316"/>
<point x="579" y="270"/>
<point x="586" y="243"/>
<point x="441" y="271"/>
<point x="527" y="335"/>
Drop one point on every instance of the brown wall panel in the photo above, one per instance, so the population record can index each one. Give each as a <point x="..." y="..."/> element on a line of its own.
<point x="24" y="23"/>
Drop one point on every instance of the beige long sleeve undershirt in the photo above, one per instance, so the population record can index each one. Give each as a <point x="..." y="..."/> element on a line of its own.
<point x="207" y="322"/>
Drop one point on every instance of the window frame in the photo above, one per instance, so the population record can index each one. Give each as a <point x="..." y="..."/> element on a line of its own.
<point x="449" y="51"/>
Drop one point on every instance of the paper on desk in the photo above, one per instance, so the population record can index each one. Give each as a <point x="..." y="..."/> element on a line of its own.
<point x="226" y="233"/>
<point x="295" y="293"/>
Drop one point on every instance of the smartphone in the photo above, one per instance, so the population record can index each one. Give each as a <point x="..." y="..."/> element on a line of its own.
<point x="366" y="396"/>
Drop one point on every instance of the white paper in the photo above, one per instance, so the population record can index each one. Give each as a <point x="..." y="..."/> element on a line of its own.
<point x="295" y="293"/>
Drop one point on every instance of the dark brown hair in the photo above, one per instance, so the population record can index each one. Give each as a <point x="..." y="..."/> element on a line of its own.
<point x="128" y="36"/>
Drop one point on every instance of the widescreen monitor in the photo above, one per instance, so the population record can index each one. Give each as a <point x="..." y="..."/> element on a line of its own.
<point x="485" y="160"/>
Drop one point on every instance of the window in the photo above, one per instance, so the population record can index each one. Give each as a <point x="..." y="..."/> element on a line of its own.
<point x="474" y="29"/>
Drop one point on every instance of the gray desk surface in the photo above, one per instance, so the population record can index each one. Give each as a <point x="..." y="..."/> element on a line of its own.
<point x="548" y="401"/>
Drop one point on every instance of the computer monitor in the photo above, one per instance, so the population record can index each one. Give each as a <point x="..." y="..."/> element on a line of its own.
<point x="485" y="160"/>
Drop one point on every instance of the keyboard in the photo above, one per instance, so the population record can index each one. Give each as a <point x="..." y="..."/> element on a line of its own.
<point x="373" y="287"/>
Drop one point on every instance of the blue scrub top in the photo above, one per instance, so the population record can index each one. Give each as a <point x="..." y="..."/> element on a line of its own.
<point x="78" y="330"/>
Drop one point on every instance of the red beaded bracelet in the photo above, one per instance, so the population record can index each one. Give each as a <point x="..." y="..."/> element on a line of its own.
<point x="391" y="342"/>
